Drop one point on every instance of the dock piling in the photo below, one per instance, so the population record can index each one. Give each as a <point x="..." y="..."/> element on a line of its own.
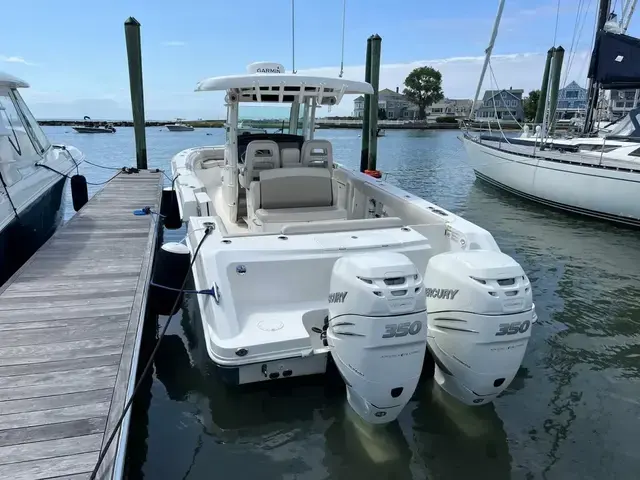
<point x="376" y="47"/>
<point x="364" y="153"/>
<point x="134" y="58"/>
<point x="542" y="99"/>
<point x="556" y="71"/>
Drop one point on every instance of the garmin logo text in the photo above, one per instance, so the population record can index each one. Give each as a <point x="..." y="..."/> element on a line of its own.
<point x="269" y="70"/>
<point x="337" y="297"/>
<point x="443" y="293"/>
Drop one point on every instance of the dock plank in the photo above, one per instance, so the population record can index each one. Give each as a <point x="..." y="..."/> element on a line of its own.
<point x="40" y="433"/>
<point x="59" y="366"/>
<point x="49" y="448"/>
<point x="56" y="415"/>
<point x="49" y="467"/>
<point x="55" y="401"/>
<point x="61" y="351"/>
<point x="70" y="326"/>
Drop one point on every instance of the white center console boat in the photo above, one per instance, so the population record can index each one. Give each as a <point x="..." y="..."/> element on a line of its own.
<point x="305" y="258"/>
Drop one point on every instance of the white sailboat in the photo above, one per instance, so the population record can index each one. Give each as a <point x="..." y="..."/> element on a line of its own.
<point x="597" y="176"/>
<point x="32" y="179"/>
<point x="299" y="258"/>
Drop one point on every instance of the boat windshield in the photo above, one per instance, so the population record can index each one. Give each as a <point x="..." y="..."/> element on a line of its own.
<point x="266" y="118"/>
<point x="629" y="126"/>
<point x="38" y="136"/>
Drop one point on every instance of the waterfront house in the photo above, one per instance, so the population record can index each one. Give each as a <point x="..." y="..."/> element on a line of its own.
<point x="398" y="107"/>
<point x="501" y="104"/>
<point x="621" y="102"/>
<point x="358" y="107"/>
<point x="572" y="100"/>
<point x="449" y="107"/>
<point x="395" y="105"/>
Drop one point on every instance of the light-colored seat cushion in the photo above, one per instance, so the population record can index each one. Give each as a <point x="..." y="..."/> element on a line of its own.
<point x="260" y="155"/>
<point x="290" y="157"/>
<point x="295" y="188"/>
<point x="305" y="214"/>
<point x="317" y="153"/>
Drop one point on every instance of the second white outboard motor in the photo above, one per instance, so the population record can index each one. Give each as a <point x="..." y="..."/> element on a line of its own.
<point x="377" y="331"/>
<point x="480" y="311"/>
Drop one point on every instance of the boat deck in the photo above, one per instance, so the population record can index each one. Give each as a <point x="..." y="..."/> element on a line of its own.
<point x="70" y="326"/>
<point x="580" y="158"/>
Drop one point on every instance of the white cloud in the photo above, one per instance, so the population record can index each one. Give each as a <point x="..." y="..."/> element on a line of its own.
<point x="15" y="59"/>
<point x="459" y="80"/>
<point x="460" y="75"/>
<point x="174" y="43"/>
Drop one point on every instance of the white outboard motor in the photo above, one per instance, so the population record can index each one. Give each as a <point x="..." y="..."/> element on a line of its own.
<point x="480" y="312"/>
<point x="377" y="331"/>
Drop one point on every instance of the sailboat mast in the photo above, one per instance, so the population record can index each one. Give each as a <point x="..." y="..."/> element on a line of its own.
<point x="488" y="51"/>
<point x="592" y="89"/>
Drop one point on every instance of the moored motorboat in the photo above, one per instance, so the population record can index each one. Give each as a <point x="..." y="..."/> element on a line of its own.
<point x="90" y="126"/>
<point x="32" y="179"/>
<point x="179" y="126"/>
<point x="298" y="258"/>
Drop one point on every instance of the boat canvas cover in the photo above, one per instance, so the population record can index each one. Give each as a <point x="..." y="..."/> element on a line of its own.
<point x="615" y="63"/>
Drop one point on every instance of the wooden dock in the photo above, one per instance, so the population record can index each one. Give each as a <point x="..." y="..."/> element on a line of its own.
<point x="70" y="327"/>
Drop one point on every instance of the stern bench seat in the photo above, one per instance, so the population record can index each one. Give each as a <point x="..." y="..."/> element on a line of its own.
<point x="290" y="195"/>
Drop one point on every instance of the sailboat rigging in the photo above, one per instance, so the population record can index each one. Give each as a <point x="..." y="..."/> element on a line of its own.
<point x="597" y="176"/>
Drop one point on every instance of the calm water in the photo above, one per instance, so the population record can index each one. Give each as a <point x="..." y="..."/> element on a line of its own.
<point x="573" y="411"/>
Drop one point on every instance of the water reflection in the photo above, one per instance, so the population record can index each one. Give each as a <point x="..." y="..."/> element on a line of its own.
<point x="457" y="441"/>
<point x="571" y="412"/>
<point x="302" y="426"/>
<point x="584" y="275"/>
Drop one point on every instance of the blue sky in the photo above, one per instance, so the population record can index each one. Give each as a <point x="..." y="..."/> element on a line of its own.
<point x="73" y="52"/>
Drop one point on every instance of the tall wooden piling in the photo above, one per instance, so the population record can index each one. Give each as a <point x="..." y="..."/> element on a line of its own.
<point x="376" y="48"/>
<point x="364" y="153"/>
<point x="134" y="57"/>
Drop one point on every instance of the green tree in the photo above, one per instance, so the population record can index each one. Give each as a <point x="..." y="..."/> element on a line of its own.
<point x="531" y="105"/>
<point x="423" y="87"/>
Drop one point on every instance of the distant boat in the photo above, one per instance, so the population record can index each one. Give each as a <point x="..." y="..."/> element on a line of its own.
<point x="90" y="126"/>
<point x="242" y="130"/>
<point x="179" y="126"/>
<point x="381" y="132"/>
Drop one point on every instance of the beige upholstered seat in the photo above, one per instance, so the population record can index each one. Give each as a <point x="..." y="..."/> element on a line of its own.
<point x="260" y="155"/>
<point x="290" y="157"/>
<point x="289" y="195"/>
<point x="317" y="153"/>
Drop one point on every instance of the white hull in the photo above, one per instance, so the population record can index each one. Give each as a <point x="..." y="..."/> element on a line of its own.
<point x="32" y="178"/>
<point x="35" y="182"/>
<point x="179" y="128"/>
<point x="81" y="129"/>
<point x="587" y="189"/>
<point x="296" y="258"/>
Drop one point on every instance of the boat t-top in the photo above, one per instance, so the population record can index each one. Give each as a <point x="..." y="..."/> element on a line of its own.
<point x="179" y="126"/>
<point x="301" y="261"/>
<point x="90" y="126"/>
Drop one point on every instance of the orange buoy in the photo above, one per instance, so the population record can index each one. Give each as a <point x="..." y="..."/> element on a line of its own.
<point x="373" y="173"/>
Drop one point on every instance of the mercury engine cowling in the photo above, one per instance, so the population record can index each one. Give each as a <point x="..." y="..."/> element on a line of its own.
<point x="376" y="332"/>
<point x="480" y="311"/>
